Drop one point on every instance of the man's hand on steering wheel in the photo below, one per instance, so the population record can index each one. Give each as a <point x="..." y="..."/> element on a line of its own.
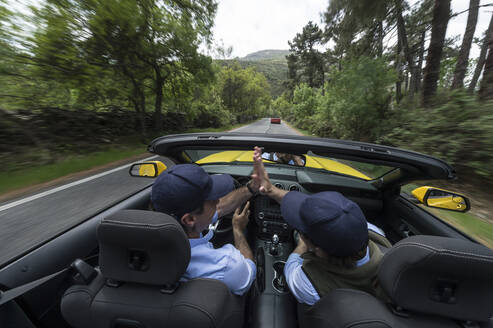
<point x="240" y="219"/>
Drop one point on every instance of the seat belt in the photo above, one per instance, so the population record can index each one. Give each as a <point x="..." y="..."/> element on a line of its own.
<point x="84" y="270"/>
<point x="7" y="296"/>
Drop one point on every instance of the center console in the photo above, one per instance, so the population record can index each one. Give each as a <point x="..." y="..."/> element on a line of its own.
<point x="274" y="306"/>
<point x="269" y="220"/>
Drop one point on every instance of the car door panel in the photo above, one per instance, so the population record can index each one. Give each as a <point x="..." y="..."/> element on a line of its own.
<point x="404" y="218"/>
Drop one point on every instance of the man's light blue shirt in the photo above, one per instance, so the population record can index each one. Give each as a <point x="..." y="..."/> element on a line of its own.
<point x="299" y="284"/>
<point x="225" y="264"/>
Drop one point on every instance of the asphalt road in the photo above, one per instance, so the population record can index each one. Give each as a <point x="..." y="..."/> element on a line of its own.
<point x="264" y="126"/>
<point x="28" y="222"/>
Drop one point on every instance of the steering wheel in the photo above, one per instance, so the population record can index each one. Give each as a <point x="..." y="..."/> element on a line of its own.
<point x="228" y="217"/>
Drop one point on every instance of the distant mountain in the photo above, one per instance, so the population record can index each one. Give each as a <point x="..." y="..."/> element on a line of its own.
<point x="266" y="55"/>
<point x="271" y="63"/>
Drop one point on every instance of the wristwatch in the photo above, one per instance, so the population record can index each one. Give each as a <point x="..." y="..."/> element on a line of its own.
<point x="254" y="193"/>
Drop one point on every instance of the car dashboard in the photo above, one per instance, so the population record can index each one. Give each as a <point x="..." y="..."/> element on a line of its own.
<point x="304" y="180"/>
<point x="271" y="238"/>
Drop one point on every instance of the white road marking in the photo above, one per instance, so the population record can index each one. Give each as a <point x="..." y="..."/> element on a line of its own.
<point x="57" y="189"/>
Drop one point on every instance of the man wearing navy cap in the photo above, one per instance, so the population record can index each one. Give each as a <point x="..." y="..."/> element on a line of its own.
<point x="335" y="250"/>
<point x="196" y="200"/>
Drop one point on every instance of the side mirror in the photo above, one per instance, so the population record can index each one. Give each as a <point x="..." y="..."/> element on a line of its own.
<point x="441" y="198"/>
<point x="147" y="169"/>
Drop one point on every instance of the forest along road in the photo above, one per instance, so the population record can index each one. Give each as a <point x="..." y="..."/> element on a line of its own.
<point x="30" y="221"/>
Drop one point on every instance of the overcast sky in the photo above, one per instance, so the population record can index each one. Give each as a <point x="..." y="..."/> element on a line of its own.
<point x="252" y="25"/>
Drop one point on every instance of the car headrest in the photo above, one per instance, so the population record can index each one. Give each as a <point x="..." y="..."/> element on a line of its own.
<point x="438" y="275"/>
<point x="142" y="246"/>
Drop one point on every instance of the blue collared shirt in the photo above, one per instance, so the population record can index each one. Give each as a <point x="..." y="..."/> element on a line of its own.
<point x="225" y="264"/>
<point x="299" y="284"/>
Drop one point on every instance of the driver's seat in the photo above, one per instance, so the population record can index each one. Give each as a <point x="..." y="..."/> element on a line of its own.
<point x="142" y="256"/>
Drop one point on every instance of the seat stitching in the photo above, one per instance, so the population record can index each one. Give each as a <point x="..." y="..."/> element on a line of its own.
<point x="213" y="319"/>
<point x="449" y="252"/>
<point x="137" y="224"/>
<point x="368" y="321"/>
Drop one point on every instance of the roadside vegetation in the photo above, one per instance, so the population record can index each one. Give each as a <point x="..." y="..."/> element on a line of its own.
<point x="388" y="75"/>
<point x="380" y="81"/>
<point x="81" y="77"/>
<point x="23" y="173"/>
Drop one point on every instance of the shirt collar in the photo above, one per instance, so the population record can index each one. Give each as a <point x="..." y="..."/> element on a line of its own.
<point x="202" y="240"/>
<point x="365" y="259"/>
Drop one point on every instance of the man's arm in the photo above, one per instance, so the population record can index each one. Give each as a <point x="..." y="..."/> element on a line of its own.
<point x="261" y="178"/>
<point x="240" y="221"/>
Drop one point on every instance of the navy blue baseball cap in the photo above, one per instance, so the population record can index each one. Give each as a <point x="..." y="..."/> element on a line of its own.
<point x="183" y="188"/>
<point x="333" y="222"/>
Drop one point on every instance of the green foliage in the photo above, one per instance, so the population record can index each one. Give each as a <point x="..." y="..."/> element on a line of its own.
<point x="281" y="107"/>
<point x="357" y="99"/>
<point x="460" y="131"/>
<point x="305" y="62"/>
<point x="244" y="92"/>
<point x="305" y="104"/>
<point x="273" y="66"/>
<point x="352" y="103"/>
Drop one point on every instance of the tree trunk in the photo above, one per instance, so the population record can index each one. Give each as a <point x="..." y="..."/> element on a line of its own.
<point x="398" y="68"/>
<point x="419" y="67"/>
<point x="462" y="59"/>
<point x="158" y="120"/>
<point x="406" y="83"/>
<point x="142" y="114"/>
<point x="401" y="30"/>
<point x="441" y="14"/>
<point x="482" y="56"/>
<point x="138" y="99"/>
<point x="486" y="89"/>
<point x="138" y="102"/>
<point x="380" y="39"/>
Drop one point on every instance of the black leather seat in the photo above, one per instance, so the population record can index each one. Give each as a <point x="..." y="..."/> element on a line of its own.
<point x="142" y="256"/>
<point x="431" y="282"/>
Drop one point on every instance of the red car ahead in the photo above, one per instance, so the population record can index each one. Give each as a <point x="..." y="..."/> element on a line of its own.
<point x="275" y="120"/>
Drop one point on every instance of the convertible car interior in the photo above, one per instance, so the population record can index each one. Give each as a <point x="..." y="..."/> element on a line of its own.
<point x="121" y="268"/>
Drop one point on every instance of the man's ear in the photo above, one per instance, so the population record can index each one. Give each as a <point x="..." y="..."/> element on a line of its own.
<point x="307" y="241"/>
<point x="188" y="220"/>
<point x="311" y="246"/>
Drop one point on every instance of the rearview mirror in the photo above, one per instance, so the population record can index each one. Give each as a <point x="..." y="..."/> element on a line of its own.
<point x="285" y="158"/>
<point x="147" y="169"/>
<point x="441" y="198"/>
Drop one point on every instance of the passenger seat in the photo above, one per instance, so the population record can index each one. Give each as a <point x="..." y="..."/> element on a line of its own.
<point x="431" y="282"/>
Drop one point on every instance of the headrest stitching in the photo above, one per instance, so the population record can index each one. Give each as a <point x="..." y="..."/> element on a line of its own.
<point x="449" y="252"/>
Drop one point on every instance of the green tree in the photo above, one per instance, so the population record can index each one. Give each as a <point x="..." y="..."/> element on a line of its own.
<point x="244" y="92"/>
<point x="306" y="63"/>
<point x="488" y="35"/>
<point x="144" y="41"/>
<point x="441" y="15"/>
<point x="357" y="99"/>
<point x="463" y="59"/>
<point x="346" y="20"/>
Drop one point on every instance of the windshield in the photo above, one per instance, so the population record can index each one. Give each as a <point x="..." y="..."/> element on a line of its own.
<point x="352" y="168"/>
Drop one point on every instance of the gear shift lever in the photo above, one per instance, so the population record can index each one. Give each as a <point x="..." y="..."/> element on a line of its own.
<point x="275" y="242"/>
